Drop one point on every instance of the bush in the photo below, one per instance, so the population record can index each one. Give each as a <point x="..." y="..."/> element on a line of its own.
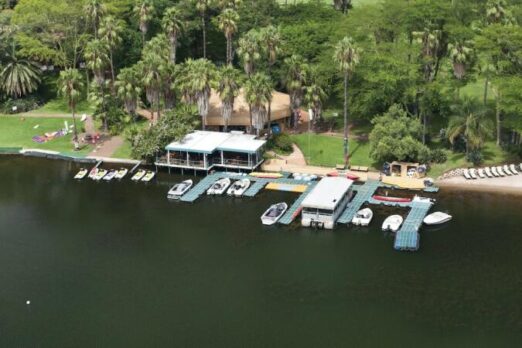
<point x="21" y="105"/>
<point x="439" y="156"/>
<point x="280" y="143"/>
<point x="475" y="157"/>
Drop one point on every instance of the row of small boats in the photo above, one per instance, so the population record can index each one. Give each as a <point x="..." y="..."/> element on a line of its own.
<point x="394" y="222"/>
<point x="219" y="187"/>
<point x="492" y="172"/>
<point x="98" y="174"/>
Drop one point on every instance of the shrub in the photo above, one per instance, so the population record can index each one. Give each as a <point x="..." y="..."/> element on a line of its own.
<point x="280" y="143"/>
<point x="475" y="157"/>
<point x="21" y="105"/>
<point x="439" y="156"/>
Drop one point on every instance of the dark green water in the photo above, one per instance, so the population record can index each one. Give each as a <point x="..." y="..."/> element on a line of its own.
<point x="117" y="265"/>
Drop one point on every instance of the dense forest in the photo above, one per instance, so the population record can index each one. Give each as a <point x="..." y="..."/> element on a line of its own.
<point x="413" y="69"/>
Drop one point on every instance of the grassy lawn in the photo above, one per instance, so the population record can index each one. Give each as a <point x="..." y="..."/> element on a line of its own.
<point x="60" y="106"/>
<point x="18" y="132"/>
<point x="326" y="150"/>
<point x="355" y="2"/>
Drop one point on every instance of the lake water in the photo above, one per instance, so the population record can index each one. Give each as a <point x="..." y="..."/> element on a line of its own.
<point x="117" y="265"/>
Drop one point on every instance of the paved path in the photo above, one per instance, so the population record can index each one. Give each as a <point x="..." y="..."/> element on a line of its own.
<point x="107" y="147"/>
<point x="296" y="157"/>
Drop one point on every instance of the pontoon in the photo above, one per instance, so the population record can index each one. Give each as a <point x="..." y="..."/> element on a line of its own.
<point x="219" y="187"/>
<point x="274" y="213"/>
<point x="180" y="189"/>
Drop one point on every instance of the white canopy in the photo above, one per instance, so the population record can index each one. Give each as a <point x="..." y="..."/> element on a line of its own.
<point x="327" y="193"/>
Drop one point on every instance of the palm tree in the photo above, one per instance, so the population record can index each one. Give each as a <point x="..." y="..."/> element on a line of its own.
<point x="110" y="32"/>
<point x="258" y="92"/>
<point x="200" y="75"/>
<point x="18" y="77"/>
<point x="128" y="87"/>
<point x="487" y="70"/>
<point x="314" y="96"/>
<point x="170" y="72"/>
<point x="460" y="56"/>
<point x="202" y="6"/>
<point x="497" y="13"/>
<point x="227" y="22"/>
<point x="295" y="77"/>
<point x="173" y="24"/>
<point x="145" y="10"/>
<point x="248" y="51"/>
<point x="347" y="57"/>
<point x="272" y="41"/>
<point x="152" y="78"/>
<point x="430" y="45"/>
<point x="70" y="84"/>
<point x="223" y="4"/>
<point x="159" y="45"/>
<point x="471" y="122"/>
<point x="228" y="89"/>
<point x="96" y="57"/>
<point x="95" y="9"/>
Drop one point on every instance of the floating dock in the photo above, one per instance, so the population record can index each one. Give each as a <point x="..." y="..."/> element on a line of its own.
<point x="407" y="238"/>
<point x="295" y="209"/>
<point x="363" y="194"/>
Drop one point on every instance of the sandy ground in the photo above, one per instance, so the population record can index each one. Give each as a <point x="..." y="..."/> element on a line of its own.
<point x="508" y="184"/>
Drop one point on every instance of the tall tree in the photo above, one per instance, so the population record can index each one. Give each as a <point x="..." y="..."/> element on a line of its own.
<point x="227" y="23"/>
<point x="95" y="9"/>
<point x="346" y="57"/>
<point x="202" y="7"/>
<point x="96" y="57"/>
<point x="200" y="75"/>
<point x="18" y="77"/>
<point x="223" y="4"/>
<point x="314" y="97"/>
<point x="111" y="30"/>
<point x="70" y="85"/>
<point x="460" y="54"/>
<point x="296" y="73"/>
<point x="258" y="93"/>
<point x="229" y="80"/>
<point x="249" y="51"/>
<point x="128" y="87"/>
<point x="173" y="24"/>
<point x="152" y="77"/>
<point x="145" y="11"/>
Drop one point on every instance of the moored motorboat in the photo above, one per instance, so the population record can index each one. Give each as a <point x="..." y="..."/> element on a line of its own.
<point x="219" y="187"/>
<point x="178" y="190"/>
<point x="139" y="174"/>
<point x="100" y="174"/>
<point x="120" y="174"/>
<point x="81" y="174"/>
<point x="392" y="223"/>
<point x="239" y="187"/>
<point x="391" y="199"/>
<point x="363" y="217"/>
<point x="437" y="218"/>
<point x="274" y="213"/>
<point x="93" y="172"/>
<point x="148" y="176"/>
<point x="110" y="175"/>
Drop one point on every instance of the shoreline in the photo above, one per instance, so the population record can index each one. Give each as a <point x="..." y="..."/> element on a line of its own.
<point x="497" y="189"/>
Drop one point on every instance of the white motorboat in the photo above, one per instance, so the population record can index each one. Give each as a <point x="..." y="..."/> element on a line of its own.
<point x="180" y="189"/>
<point x="437" y="218"/>
<point x="481" y="173"/>
<point x="466" y="174"/>
<point x="495" y="172"/>
<point x="363" y="217"/>
<point x="100" y="174"/>
<point x="110" y="175"/>
<point x="500" y="171"/>
<point x="392" y="223"/>
<point x="274" y="213"/>
<point x="238" y="188"/>
<point x="219" y="187"/>
<point x="472" y="173"/>
<point x="513" y="169"/>
<point x="139" y="174"/>
<point x="506" y="170"/>
<point x="487" y="170"/>
<point x="120" y="174"/>
<point x="81" y="174"/>
<point x="148" y="176"/>
<point x="422" y="199"/>
<point x="93" y="172"/>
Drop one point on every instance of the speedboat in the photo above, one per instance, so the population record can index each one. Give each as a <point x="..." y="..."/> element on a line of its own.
<point x="437" y="218"/>
<point x="513" y="169"/>
<point x="238" y="188"/>
<point x="139" y="174"/>
<point x="120" y="174"/>
<point x="81" y="174"/>
<point x="274" y="213"/>
<point x="506" y="170"/>
<point x="500" y="171"/>
<point x="180" y="189"/>
<point x="148" y="176"/>
<point x="472" y="173"/>
<point x="466" y="174"/>
<point x="363" y="217"/>
<point x="100" y="174"/>
<point x="219" y="187"/>
<point x="481" y="173"/>
<point x="487" y="170"/>
<point x="110" y="175"/>
<point x="93" y="172"/>
<point x="422" y="199"/>
<point x="392" y="223"/>
<point x="495" y="172"/>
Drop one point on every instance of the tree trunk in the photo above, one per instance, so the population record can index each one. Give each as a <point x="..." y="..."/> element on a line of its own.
<point x="345" y="141"/>
<point x="497" y="115"/>
<point x="250" y="112"/>
<point x="229" y="57"/>
<point x="424" y="123"/>
<point x="159" y="107"/>
<point x="173" y="48"/>
<point x="486" y="84"/>
<point x="75" y="136"/>
<point x="112" y="73"/>
<point x="204" y="26"/>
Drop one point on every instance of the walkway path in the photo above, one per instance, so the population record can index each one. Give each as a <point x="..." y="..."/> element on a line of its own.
<point x="107" y="147"/>
<point x="296" y="157"/>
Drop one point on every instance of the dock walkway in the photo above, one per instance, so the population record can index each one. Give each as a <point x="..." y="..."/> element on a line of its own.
<point x="293" y="211"/>
<point x="407" y="238"/>
<point x="364" y="194"/>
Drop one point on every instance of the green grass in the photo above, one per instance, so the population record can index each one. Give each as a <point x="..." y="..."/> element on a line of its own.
<point x="60" y="106"/>
<point x="476" y="90"/>
<point x="16" y="131"/>
<point x="355" y="2"/>
<point x="124" y="151"/>
<point x="325" y="150"/>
